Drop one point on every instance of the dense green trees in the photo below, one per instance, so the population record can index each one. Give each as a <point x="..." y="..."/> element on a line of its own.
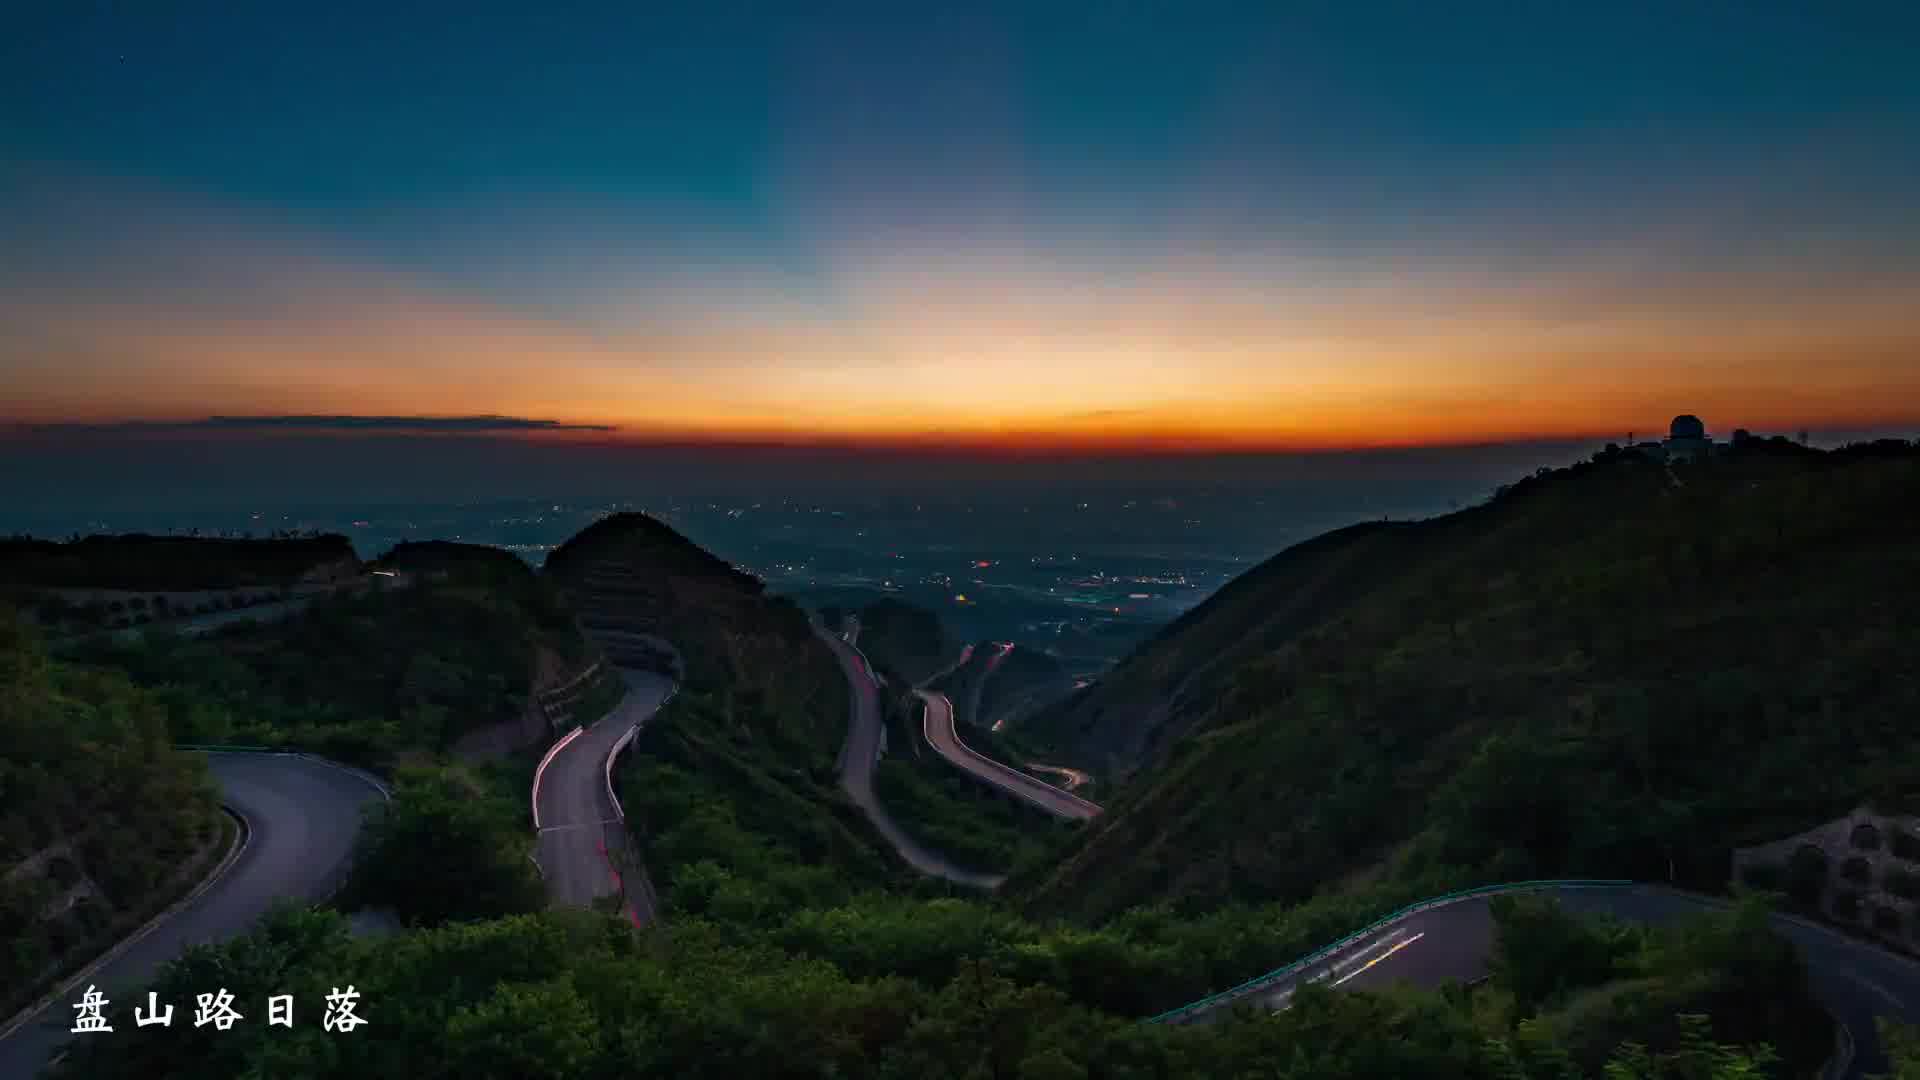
<point x="1598" y="673"/>
<point x="893" y="989"/>
<point x="956" y="815"/>
<point x="1449" y="728"/>
<point x="1902" y="1045"/>
<point x="358" y="677"/>
<point x="102" y="822"/>
<point x="946" y="809"/>
<point x="717" y="778"/>
<point x="446" y="847"/>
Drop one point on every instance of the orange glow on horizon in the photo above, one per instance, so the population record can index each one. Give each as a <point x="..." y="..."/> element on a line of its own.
<point x="988" y="352"/>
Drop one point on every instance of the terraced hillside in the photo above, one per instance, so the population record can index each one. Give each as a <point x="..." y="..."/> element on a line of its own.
<point x="749" y="743"/>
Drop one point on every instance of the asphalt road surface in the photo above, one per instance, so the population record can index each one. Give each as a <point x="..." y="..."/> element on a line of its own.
<point x="946" y="742"/>
<point x="1074" y="777"/>
<point x="303" y="817"/>
<point x="1856" y="981"/>
<point x="582" y="847"/>
<point x="856" y="769"/>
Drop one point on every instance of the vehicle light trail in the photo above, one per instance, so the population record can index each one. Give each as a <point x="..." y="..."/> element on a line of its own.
<point x="1396" y="948"/>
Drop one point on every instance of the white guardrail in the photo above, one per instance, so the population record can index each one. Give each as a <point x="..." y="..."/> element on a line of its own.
<point x="619" y="812"/>
<point x="542" y="768"/>
<point x="866" y="665"/>
<point x="1271" y="979"/>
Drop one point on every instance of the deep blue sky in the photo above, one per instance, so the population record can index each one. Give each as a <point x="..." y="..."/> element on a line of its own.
<point x="357" y="106"/>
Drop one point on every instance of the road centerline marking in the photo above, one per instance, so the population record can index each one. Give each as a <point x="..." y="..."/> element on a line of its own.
<point x="1396" y="948"/>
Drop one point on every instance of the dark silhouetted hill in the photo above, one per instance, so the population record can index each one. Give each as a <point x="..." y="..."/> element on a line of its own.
<point x="904" y="638"/>
<point x="1023" y="680"/>
<point x="762" y="709"/>
<point x="1615" y="669"/>
<point x="140" y="561"/>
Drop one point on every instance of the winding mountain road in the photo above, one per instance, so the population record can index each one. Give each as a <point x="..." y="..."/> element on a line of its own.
<point x="857" y="757"/>
<point x="941" y="734"/>
<point x="302" y="816"/>
<point x="582" y="847"/>
<point x="1855" y="980"/>
<point x="1074" y="778"/>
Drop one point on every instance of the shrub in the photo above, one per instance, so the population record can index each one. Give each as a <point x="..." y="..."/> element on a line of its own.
<point x="1846" y="905"/>
<point x="1770" y="877"/>
<point x="1857" y="870"/>
<point x="1865" y="837"/>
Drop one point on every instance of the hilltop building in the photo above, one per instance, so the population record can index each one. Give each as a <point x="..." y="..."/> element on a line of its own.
<point x="1686" y="440"/>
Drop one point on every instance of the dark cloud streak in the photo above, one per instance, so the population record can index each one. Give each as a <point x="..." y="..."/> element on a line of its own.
<point x="460" y="424"/>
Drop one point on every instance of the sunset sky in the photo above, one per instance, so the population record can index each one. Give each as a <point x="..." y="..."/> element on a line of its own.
<point x="1122" y="225"/>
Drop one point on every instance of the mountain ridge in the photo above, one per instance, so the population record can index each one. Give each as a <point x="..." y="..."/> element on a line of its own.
<point x="1539" y="684"/>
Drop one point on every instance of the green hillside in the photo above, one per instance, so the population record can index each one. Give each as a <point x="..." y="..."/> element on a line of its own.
<point x="739" y="767"/>
<point x="1024" y="680"/>
<point x="794" y="946"/>
<point x="368" y="675"/>
<point x="736" y="641"/>
<point x="102" y="822"/>
<point x="1116" y="722"/>
<point x="1615" y="669"/>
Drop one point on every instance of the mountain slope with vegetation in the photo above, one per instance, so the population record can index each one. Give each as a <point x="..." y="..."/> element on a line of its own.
<point x="905" y="638"/>
<point x="1617" y="669"/>
<point x="755" y="650"/>
<point x="1024" y="680"/>
<point x="366" y="675"/>
<point x="141" y="561"/>
<point x="1151" y="698"/>
<point x="951" y="990"/>
<point x="740" y="766"/>
<point x="102" y="822"/>
<point x="793" y="946"/>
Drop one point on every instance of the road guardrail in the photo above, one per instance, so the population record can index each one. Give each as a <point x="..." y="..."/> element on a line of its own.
<point x="619" y="811"/>
<point x="558" y="746"/>
<point x="1262" y="982"/>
